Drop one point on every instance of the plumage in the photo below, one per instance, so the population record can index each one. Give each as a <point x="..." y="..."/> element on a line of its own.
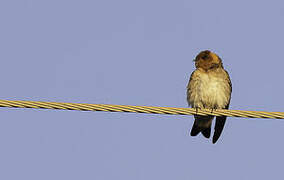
<point x="209" y="87"/>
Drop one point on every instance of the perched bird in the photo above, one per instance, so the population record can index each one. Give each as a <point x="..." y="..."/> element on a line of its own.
<point x="209" y="87"/>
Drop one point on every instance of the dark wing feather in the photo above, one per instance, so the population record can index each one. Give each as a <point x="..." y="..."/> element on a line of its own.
<point x="221" y="120"/>
<point x="219" y="125"/>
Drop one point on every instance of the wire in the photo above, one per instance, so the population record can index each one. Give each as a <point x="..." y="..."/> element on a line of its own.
<point x="139" y="109"/>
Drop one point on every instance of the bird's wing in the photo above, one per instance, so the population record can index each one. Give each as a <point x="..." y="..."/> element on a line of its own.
<point x="221" y="120"/>
<point x="190" y="87"/>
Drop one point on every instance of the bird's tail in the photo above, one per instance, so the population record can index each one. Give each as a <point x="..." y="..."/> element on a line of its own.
<point x="202" y="124"/>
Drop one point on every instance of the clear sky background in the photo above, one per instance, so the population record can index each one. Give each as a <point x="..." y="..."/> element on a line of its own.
<point x="137" y="53"/>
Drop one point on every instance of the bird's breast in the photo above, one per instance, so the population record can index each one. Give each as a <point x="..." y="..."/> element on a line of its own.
<point x="210" y="91"/>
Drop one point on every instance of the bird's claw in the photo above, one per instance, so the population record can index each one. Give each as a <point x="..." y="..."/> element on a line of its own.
<point x="213" y="109"/>
<point x="196" y="109"/>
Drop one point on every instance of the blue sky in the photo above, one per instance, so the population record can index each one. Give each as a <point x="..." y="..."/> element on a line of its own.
<point x="137" y="53"/>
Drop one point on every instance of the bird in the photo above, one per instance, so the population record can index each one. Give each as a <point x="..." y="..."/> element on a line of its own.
<point x="209" y="87"/>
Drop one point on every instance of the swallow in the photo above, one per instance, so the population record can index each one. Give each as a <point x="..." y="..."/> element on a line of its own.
<point x="209" y="87"/>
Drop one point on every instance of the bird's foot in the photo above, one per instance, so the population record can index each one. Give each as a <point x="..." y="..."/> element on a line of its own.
<point x="196" y="110"/>
<point x="213" y="109"/>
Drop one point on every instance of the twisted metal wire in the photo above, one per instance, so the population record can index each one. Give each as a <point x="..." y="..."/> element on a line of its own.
<point x="139" y="109"/>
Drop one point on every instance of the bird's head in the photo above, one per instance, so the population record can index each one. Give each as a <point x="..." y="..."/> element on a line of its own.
<point x="208" y="60"/>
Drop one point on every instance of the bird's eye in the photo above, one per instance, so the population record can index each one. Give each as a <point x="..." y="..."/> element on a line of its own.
<point x="205" y="57"/>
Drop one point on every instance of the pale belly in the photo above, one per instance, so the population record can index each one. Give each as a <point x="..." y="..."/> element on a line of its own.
<point x="210" y="92"/>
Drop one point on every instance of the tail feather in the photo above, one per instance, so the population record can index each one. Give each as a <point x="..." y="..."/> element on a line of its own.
<point x="219" y="125"/>
<point x="195" y="130"/>
<point x="202" y="124"/>
<point x="206" y="132"/>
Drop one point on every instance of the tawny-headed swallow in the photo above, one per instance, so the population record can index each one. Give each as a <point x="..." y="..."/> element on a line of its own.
<point x="209" y="87"/>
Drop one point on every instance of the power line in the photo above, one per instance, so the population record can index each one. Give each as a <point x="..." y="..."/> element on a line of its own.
<point x="139" y="109"/>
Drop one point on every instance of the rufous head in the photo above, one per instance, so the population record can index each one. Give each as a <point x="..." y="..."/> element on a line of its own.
<point x="208" y="60"/>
